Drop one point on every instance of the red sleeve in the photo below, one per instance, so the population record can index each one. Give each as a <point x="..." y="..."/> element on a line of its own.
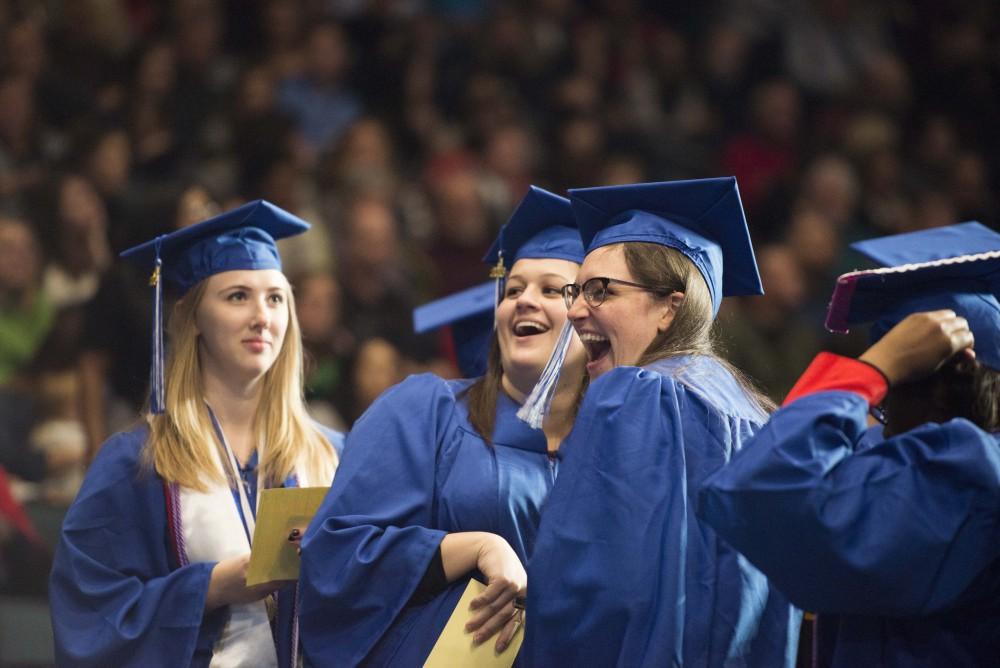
<point x="833" y="372"/>
<point x="12" y="511"/>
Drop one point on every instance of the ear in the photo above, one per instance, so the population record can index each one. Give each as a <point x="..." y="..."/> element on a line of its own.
<point x="671" y="304"/>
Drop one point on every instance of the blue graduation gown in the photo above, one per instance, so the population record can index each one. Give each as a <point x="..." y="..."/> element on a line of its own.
<point x="117" y="594"/>
<point x="623" y="574"/>
<point x="413" y="470"/>
<point x="900" y="536"/>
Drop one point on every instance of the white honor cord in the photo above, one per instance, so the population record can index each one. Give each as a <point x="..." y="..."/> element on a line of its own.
<point x="249" y="521"/>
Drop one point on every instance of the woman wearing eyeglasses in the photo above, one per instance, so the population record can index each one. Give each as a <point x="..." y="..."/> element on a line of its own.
<point x="623" y="573"/>
<point x="440" y="479"/>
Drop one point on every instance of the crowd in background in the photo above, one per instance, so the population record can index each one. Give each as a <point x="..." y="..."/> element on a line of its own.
<point x="406" y="130"/>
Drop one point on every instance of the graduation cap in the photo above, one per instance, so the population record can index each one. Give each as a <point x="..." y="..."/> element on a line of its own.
<point x="701" y="218"/>
<point x="243" y="238"/>
<point x="541" y="227"/>
<point x="470" y="315"/>
<point x="955" y="267"/>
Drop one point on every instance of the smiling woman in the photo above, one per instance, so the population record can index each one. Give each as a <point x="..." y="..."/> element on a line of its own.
<point x="151" y="565"/>
<point x="440" y="479"/>
<point x="623" y="572"/>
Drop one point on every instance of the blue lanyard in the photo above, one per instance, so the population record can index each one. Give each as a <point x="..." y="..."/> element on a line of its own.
<point x="239" y="481"/>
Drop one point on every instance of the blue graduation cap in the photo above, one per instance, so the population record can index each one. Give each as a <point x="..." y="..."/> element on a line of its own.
<point x="243" y="238"/>
<point x="470" y="315"/>
<point x="541" y="227"/>
<point x="955" y="267"/>
<point x="701" y="218"/>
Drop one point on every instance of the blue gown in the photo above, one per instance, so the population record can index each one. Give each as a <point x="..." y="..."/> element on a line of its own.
<point x="623" y="573"/>
<point x="117" y="595"/>
<point x="898" y="538"/>
<point x="414" y="469"/>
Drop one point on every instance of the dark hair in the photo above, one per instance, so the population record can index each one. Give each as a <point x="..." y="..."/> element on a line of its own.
<point x="485" y="391"/>
<point x="961" y="388"/>
<point x="691" y="331"/>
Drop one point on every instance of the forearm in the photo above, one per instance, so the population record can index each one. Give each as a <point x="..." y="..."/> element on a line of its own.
<point x="460" y="552"/>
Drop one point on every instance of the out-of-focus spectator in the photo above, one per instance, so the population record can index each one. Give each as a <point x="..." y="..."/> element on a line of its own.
<point x="21" y="155"/>
<point x="766" y="155"/>
<point x="377" y="367"/>
<point x="829" y="43"/>
<point x="768" y="337"/>
<point x="319" y="98"/>
<point x="26" y="314"/>
<point x="328" y="346"/>
<point x="463" y="226"/>
<point x="78" y="250"/>
<point x="379" y="288"/>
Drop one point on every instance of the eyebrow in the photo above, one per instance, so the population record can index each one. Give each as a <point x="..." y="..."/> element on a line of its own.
<point x="550" y="274"/>
<point x="247" y="288"/>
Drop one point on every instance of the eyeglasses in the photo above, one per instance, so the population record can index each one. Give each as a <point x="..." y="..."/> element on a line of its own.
<point x="595" y="290"/>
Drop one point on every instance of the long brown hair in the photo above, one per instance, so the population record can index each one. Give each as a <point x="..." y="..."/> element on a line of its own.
<point x="961" y="388"/>
<point x="182" y="438"/>
<point x="691" y="331"/>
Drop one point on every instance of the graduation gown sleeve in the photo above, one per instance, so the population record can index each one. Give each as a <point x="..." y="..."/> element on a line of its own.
<point x="606" y="578"/>
<point x="115" y="597"/>
<point x="900" y="527"/>
<point x="368" y="546"/>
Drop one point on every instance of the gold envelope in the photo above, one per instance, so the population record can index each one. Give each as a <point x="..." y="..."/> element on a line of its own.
<point x="281" y="509"/>
<point x="454" y="648"/>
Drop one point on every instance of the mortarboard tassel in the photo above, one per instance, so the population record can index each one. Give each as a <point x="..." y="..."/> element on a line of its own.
<point x="156" y="404"/>
<point x="537" y="405"/>
<point x="497" y="273"/>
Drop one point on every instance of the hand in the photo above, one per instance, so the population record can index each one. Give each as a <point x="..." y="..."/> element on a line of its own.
<point x="228" y="584"/>
<point x="507" y="581"/>
<point x="918" y="345"/>
<point x="295" y="537"/>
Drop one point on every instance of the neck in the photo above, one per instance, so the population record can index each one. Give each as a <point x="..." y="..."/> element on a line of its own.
<point x="559" y="419"/>
<point x="235" y="406"/>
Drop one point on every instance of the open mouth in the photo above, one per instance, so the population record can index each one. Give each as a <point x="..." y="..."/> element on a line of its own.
<point x="529" y="328"/>
<point x="595" y="345"/>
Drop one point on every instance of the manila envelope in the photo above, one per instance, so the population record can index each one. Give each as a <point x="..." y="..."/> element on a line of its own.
<point x="281" y="509"/>
<point x="454" y="648"/>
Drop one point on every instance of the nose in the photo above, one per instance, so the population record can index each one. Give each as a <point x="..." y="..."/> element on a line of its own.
<point x="528" y="298"/>
<point x="578" y="309"/>
<point x="261" y="316"/>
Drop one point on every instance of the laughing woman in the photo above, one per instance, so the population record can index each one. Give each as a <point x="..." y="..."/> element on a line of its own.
<point x="623" y="573"/>
<point x="440" y="479"/>
<point x="151" y="565"/>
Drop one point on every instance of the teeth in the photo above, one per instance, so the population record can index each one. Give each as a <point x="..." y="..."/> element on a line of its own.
<point x="529" y="327"/>
<point x="589" y="337"/>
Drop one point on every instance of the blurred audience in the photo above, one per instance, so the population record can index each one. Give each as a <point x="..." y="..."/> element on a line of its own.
<point x="406" y="131"/>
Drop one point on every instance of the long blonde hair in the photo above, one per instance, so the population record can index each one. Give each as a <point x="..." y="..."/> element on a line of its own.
<point x="182" y="438"/>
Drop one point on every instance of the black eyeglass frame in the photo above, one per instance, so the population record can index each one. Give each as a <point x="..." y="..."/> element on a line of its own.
<point x="571" y="291"/>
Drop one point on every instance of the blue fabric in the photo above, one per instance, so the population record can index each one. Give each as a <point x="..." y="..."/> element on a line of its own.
<point x="243" y="238"/>
<point x="701" y="218"/>
<point x="901" y="536"/>
<point x="470" y="314"/>
<point x="969" y="287"/>
<point x="117" y="595"/>
<point x="541" y="227"/>
<point x="623" y="573"/>
<point x="413" y="470"/>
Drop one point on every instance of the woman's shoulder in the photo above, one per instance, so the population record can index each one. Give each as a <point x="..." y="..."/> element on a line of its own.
<point x="119" y="463"/>
<point x="122" y="450"/>
<point x="425" y="387"/>
<point x="702" y="380"/>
